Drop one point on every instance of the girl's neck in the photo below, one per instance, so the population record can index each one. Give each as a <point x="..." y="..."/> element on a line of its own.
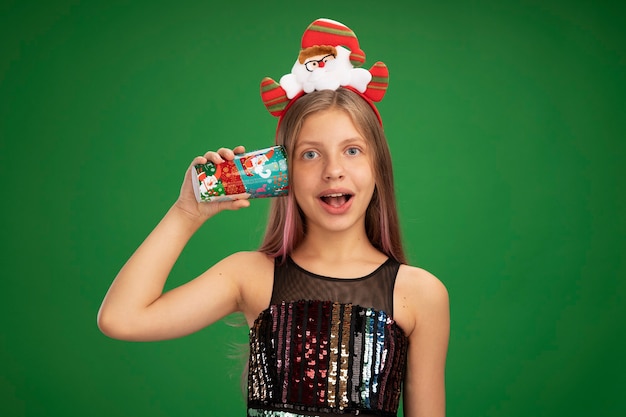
<point x="345" y="254"/>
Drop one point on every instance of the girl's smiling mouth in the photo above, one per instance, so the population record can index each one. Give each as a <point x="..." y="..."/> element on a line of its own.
<point x="336" y="199"/>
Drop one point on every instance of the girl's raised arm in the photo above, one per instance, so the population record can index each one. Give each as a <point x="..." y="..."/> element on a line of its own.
<point x="135" y="307"/>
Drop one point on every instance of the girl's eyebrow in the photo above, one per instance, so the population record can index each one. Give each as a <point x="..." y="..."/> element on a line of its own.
<point x="315" y="143"/>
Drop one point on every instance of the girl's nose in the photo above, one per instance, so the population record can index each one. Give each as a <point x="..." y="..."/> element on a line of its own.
<point x="333" y="169"/>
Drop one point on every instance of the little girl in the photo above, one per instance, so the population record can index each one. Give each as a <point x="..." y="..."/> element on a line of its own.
<point x="339" y="323"/>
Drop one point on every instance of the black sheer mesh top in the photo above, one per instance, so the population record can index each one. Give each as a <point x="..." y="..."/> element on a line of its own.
<point x="327" y="346"/>
<point x="292" y="283"/>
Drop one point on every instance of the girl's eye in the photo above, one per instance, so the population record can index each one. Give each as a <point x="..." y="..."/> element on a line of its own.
<point x="353" y="151"/>
<point x="309" y="155"/>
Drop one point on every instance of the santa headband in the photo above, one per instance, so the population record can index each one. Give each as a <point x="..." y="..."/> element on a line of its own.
<point x="329" y="59"/>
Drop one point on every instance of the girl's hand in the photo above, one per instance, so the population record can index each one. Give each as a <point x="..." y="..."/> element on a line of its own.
<point x="187" y="200"/>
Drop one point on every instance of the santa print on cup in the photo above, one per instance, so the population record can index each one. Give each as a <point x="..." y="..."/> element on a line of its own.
<point x="329" y="58"/>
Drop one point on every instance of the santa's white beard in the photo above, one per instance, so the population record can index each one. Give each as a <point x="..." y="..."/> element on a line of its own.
<point x="328" y="78"/>
<point x="338" y="72"/>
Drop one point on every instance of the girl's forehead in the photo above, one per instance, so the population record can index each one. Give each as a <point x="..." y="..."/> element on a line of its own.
<point x="331" y="122"/>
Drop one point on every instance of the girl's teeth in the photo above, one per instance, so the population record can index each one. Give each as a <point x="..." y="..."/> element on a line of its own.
<point x="336" y="200"/>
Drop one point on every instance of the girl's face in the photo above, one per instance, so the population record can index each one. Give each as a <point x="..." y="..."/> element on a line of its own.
<point x="332" y="176"/>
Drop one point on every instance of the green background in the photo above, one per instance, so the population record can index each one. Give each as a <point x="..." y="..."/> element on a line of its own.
<point x="506" y="123"/>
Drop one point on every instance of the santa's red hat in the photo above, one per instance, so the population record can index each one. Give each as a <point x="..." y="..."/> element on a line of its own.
<point x="332" y="33"/>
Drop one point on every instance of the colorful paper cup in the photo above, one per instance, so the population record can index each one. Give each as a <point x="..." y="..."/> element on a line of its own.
<point x="257" y="174"/>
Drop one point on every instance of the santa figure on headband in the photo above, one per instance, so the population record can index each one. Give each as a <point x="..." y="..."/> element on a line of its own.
<point x="329" y="58"/>
<point x="325" y="67"/>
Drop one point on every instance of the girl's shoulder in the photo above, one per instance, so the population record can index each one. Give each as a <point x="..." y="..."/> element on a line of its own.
<point x="418" y="294"/>
<point x="253" y="273"/>
<point x="248" y="267"/>
<point x="256" y="257"/>
<point x="419" y="279"/>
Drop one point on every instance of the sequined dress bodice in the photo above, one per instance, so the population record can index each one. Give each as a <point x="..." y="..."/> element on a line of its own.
<point x="327" y="346"/>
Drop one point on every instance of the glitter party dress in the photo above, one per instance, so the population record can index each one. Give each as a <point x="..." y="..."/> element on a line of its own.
<point x="327" y="346"/>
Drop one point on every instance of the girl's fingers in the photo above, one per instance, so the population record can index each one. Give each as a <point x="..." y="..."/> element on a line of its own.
<point x="214" y="157"/>
<point x="224" y="154"/>
<point x="198" y="160"/>
<point x="229" y="154"/>
<point x="237" y="204"/>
